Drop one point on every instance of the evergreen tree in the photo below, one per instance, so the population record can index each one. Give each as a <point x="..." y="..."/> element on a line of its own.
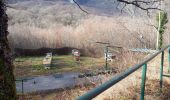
<point x="162" y="20"/>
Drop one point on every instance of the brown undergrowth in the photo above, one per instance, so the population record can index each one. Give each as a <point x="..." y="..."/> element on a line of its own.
<point x="152" y="91"/>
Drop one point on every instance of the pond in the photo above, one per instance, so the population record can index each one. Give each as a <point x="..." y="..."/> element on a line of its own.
<point x="55" y="81"/>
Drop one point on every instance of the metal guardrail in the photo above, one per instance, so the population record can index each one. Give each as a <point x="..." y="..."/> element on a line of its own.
<point x="93" y="93"/>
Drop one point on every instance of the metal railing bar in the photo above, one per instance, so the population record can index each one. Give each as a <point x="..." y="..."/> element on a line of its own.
<point x="166" y="75"/>
<point x="96" y="91"/>
<point x="168" y="59"/>
<point x="161" y="69"/>
<point x="144" y="70"/>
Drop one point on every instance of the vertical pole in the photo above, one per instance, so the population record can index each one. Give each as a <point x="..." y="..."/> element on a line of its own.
<point x="158" y="34"/>
<point x="169" y="60"/>
<point x="106" y="67"/>
<point x="144" y="70"/>
<point x="22" y="86"/>
<point x="161" y="70"/>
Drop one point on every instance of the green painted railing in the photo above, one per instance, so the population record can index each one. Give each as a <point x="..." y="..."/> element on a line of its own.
<point x="93" y="93"/>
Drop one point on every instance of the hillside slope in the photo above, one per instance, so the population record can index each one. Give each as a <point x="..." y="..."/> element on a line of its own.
<point x="60" y="23"/>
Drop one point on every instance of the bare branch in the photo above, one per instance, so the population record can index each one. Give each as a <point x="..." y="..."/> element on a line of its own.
<point x="142" y="4"/>
<point x="123" y="7"/>
<point x="80" y="7"/>
<point x="145" y="5"/>
<point x="16" y="8"/>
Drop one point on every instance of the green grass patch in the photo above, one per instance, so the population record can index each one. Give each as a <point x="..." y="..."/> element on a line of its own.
<point x="32" y="66"/>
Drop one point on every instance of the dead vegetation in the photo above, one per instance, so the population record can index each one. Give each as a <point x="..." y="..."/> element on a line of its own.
<point x="61" y="25"/>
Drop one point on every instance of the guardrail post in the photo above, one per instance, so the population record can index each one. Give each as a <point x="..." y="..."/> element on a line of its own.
<point x="144" y="70"/>
<point x="161" y="70"/>
<point x="168" y="59"/>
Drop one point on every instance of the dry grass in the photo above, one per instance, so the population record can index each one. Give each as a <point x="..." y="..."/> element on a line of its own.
<point x="65" y="25"/>
<point x="88" y="30"/>
<point x="129" y="88"/>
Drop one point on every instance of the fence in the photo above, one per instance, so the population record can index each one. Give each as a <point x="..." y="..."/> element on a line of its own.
<point x="93" y="93"/>
<point x="22" y="81"/>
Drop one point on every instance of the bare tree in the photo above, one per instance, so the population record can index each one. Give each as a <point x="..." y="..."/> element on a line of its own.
<point x="7" y="80"/>
<point x="145" y="5"/>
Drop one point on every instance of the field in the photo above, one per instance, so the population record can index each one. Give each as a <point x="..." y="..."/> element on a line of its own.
<point x="127" y="89"/>
<point x="31" y="66"/>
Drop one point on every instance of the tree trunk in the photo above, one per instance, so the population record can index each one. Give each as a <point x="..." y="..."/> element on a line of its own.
<point x="7" y="80"/>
